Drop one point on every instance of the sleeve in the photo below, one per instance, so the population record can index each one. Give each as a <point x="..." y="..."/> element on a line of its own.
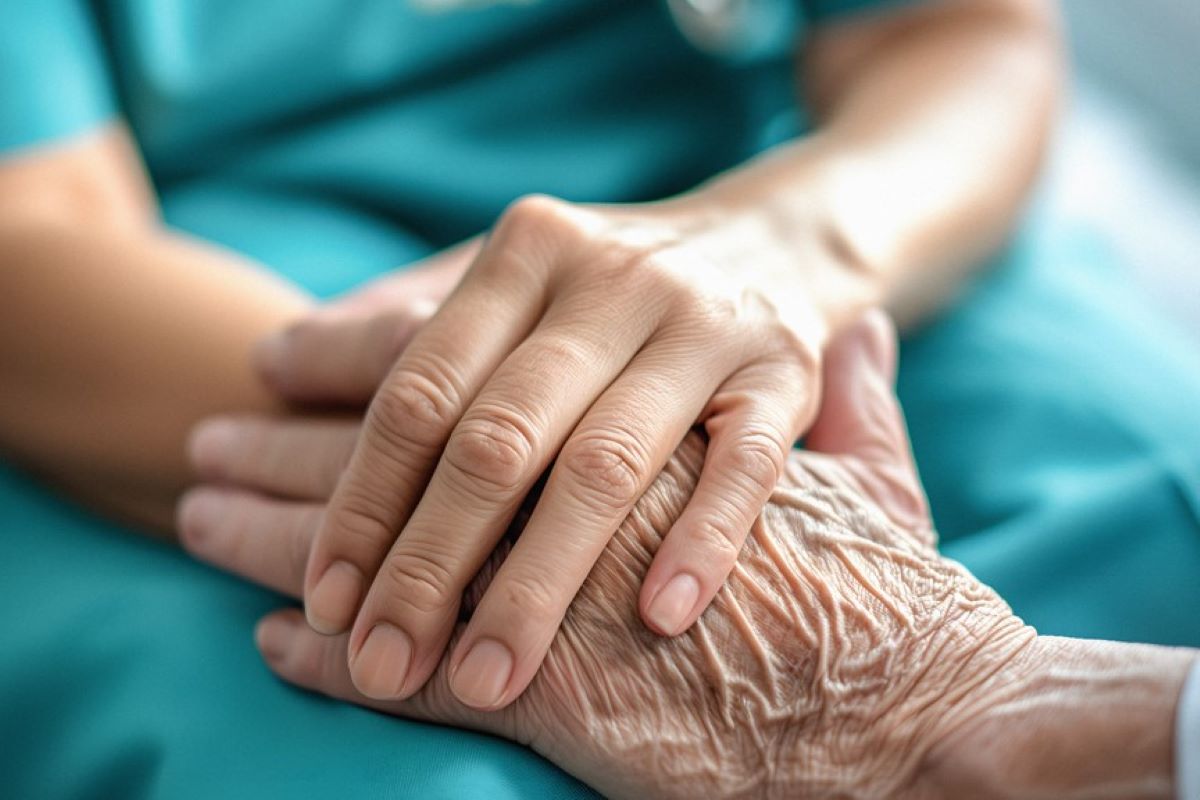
<point x="1187" y="738"/>
<point x="54" y="79"/>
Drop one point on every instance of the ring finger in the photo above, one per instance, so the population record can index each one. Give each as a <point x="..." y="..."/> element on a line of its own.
<point x="609" y="460"/>
<point x="503" y="443"/>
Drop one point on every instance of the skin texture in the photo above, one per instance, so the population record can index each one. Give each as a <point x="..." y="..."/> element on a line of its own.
<point x="117" y="335"/>
<point x="843" y="658"/>
<point x="807" y="638"/>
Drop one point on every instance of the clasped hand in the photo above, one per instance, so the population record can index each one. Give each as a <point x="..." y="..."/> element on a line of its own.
<point x="841" y="657"/>
<point x="586" y="341"/>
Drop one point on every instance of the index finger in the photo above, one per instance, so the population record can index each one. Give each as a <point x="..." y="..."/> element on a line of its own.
<point x="406" y="428"/>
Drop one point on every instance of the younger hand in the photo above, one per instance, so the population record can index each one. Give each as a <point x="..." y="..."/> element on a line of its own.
<point x="594" y="337"/>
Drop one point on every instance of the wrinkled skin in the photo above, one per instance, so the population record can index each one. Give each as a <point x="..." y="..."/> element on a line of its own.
<point x="824" y="657"/>
<point x="838" y="660"/>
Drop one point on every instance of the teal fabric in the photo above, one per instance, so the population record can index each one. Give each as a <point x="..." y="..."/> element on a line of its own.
<point x="1054" y="418"/>
<point x="410" y="123"/>
<point x="405" y="119"/>
<point x="1052" y="415"/>
<point x="129" y="671"/>
<point x="53" y="78"/>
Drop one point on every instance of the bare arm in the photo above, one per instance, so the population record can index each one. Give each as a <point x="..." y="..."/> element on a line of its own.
<point x="931" y="123"/>
<point x="116" y="335"/>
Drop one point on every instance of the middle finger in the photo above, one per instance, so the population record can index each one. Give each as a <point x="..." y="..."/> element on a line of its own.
<point x="503" y="443"/>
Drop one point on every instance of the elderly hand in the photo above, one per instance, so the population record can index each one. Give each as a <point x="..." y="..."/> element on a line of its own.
<point x="844" y="656"/>
<point x="590" y="337"/>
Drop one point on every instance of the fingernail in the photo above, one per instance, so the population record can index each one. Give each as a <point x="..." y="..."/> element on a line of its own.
<point x="211" y="442"/>
<point x="198" y="511"/>
<point x="381" y="664"/>
<point x="268" y="352"/>
<point x="674" y="602"/>
<point x="274" y="637"/>
<point x="334" y="600"/>
<point x="482" y="676"/>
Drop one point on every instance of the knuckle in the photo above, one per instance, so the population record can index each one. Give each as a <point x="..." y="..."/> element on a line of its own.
<point x="561" y="350"/>
<point x="718" y="538"/>
<point x="671" y="268"/>
<point x="527" y="221"/>
<point x="717" y="315"/>
<point x="533" y="212"/>
<point x="416" y="406"/>
<point x="531" y="229"/>
<point x="359" y="525"/>
<point x="420" y="581"/>
<point x="494" y="452"/>
<point x="530" y="598"/>
<point x="533" y="209"/>
<point x="625" y="271"/>
<point x="755" y="460"/>
<point x="607" y="468"/>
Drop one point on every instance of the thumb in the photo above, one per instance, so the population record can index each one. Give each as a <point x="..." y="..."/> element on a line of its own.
<point x="861" y="420"/>
<point x="336" y="357"/>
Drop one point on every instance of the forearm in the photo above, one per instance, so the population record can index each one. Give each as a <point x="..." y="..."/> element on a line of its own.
<point x="112" y="344"/>
<point x="1076" y="718"/>
<point x="930" y="130"/>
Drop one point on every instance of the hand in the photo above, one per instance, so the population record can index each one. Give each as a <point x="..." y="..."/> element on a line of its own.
<point x="597" y="337"/>
<point x="840" y="658"/>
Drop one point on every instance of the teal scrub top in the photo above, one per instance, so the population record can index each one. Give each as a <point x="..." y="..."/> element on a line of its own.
<point x="382" y="128"/>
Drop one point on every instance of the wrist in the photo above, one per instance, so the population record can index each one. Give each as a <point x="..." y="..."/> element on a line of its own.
<point x="778" y="217"/>
<point x="1071" y="717"/>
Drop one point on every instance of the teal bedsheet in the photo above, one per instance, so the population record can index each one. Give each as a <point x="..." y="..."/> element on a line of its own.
<point x="1053" y="416"/>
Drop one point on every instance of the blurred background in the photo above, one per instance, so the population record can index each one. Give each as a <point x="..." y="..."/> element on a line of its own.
<point x="1127" y="157"/>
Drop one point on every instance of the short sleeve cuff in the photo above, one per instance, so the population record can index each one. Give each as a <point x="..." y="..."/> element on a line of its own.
<point x="54" y="79"/>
